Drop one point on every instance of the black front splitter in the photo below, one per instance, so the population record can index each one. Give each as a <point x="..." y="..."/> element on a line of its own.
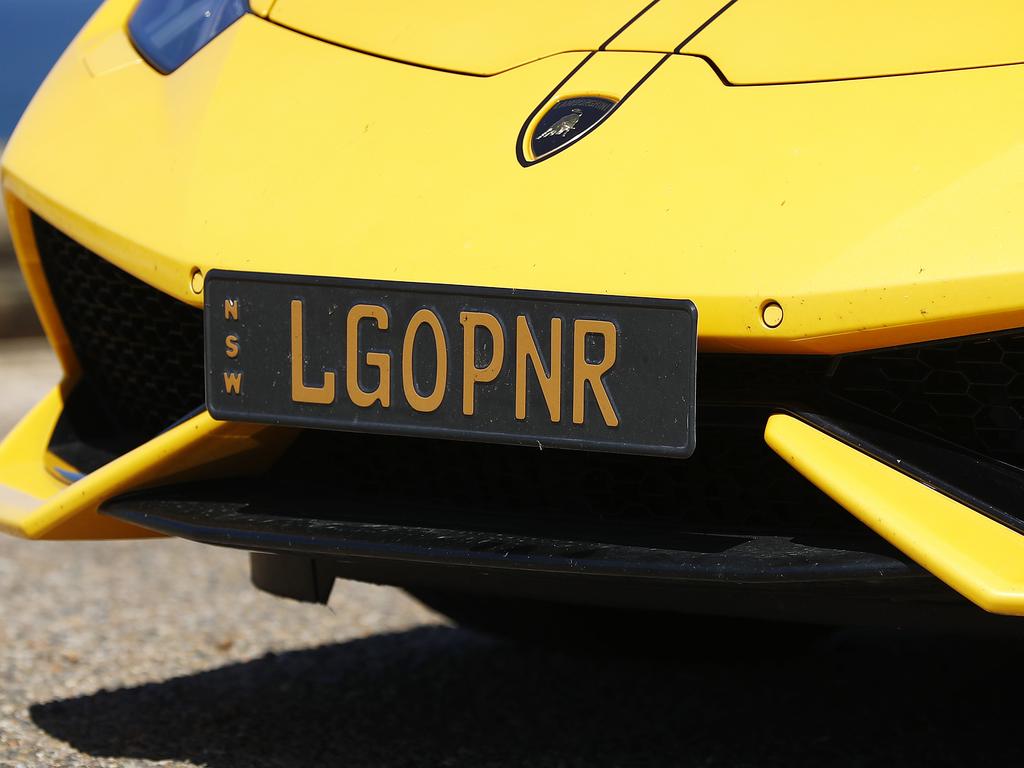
<point x="779" y="577"/>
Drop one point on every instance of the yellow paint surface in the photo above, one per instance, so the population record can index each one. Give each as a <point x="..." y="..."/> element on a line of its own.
<point x="782" y="41"/>
<point x="476" y="36"/>
<point x="876" y="212"/>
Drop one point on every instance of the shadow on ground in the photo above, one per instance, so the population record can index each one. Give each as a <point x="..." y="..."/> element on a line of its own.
<point x="440" y="696"/>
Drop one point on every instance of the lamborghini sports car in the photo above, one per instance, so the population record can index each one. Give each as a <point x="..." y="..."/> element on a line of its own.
<point x="691" y="306"/>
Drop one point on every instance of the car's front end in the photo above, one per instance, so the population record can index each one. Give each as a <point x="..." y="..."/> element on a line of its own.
<point x="809" y="274"/>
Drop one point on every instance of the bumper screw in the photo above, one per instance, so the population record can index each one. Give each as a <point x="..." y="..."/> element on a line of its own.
<point x="196" y="281"/>
<point x="771" y="314"/>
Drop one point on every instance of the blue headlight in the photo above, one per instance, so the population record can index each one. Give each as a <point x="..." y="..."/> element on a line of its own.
<point x="169" y="32"/>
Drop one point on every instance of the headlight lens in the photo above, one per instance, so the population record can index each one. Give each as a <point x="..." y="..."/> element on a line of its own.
<point x="168" y="32"/>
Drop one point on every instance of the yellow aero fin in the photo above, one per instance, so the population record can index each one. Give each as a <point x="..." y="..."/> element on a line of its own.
<point x="36" y="505"/>
<point x="978" y="557"/>
<point x="24" y="481"/>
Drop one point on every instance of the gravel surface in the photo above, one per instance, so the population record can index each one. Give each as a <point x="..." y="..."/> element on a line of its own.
<point x="16" y="315"/>
<point x="27" y="370"/>
<point x="160" y="653"/>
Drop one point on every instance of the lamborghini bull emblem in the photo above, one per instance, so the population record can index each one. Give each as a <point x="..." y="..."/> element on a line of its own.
<point x="567" y="121"/>
<point x="564" y="125"/>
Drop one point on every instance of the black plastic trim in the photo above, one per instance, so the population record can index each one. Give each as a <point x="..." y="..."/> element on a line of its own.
<point x="986" y="486"/>
<point x="217" y="513"/>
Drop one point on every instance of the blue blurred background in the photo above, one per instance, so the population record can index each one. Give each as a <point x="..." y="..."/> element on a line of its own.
<point x="33" y="33"/>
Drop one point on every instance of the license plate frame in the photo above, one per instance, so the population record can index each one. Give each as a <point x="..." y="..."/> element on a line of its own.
<point x="649" y="389"/>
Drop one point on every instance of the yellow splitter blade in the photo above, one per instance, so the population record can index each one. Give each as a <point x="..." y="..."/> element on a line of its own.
<point x="978" y="557"/>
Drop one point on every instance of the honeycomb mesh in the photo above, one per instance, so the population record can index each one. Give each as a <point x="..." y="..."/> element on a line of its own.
<point x="139" y="349"/>
<point x="968" y="391"/>
<point x="733" y="483"/>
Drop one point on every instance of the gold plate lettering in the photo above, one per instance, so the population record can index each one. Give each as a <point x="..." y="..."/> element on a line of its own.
<point x="589" y="372"/>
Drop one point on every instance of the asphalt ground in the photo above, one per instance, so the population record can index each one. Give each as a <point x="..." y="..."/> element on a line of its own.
<point x="160" y="653"/>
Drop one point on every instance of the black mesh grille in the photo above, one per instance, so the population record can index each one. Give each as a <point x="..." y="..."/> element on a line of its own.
<point x="733" y="483"/>
<point x="967" y="391"/>
<point x="140" y="350"/>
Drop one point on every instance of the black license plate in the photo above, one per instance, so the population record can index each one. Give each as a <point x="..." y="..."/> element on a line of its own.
<point x="603" y="373"/>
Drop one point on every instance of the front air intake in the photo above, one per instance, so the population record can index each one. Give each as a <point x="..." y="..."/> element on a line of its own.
<point x="140" y="350"/>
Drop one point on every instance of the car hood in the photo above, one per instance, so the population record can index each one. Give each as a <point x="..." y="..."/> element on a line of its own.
<point x="786" y="41"/>
<point x="876" y="212"/>
<point x="749" y="41"/>
<point x="479" y="37"/>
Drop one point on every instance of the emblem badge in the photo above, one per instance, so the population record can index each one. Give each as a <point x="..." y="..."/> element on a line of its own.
<point x="563" y="125"/>
<point x="567" y="121"/>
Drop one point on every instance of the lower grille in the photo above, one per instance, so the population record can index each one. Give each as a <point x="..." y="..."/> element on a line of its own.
<point x="967" y="391"/>
<point x="141" y="351"/>
<point x="733" y="483"/>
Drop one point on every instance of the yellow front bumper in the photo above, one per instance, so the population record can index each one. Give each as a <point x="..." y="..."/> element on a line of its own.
<point x="877" y="212"/>
<point x="37" y="505"/>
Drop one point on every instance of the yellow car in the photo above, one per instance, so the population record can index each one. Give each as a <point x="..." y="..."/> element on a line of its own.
<point x="690" y="305"/>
